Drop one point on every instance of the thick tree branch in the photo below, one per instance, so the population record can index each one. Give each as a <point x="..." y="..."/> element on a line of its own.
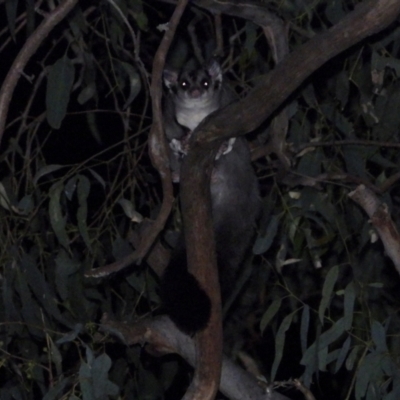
<point x="163" y="337"/>
<point x="199" y="236"/>
<point x="207" y="375"/>
<point x="246" y="115"/>
<point x="158" y="147"/>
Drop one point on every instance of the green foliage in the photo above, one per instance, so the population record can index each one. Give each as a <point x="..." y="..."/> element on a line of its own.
<point x="76" y="181"/>
<point x="59" y="85"/>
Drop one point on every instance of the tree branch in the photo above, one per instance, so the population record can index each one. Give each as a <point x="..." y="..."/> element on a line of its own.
<point x="29" y="48"/>
<point x="199" y="237"/>
<point x="246" y="115"/>
<point x="158" y="150"/>
<point x="164" y="337"/>
<point x="381" y="220"/>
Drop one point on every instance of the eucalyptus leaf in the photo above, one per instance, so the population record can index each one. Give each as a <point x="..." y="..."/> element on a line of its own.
<point x="30" y="16"/>
<point x="304" y="327"/>
<point x="140" y="17"/>
<point x="309" y="95"/>
<point x="30" y="310"/>
<point x="376" y="285"/>
<point x="41" y="289"/>
<point x="59" y="86"/>
<point x="322" y="358"/>
<point x="135" y="83"/>
<point x="264" y="242"/>
<point x="342" y="87"/>
<point x="57" y="220"/>
<point x="355" y="160"/>
<point x="11" y="312"/>
<point x="70" y="187"/>
<point x="5" y="201"/>
<point x="369" y="370"/>
<point x="101" y="385"/>
<point x="378" y="335"/>
<point x="11" y="12"/>
<point x="280" y="342"/>
<point x="324" y="340"/>
<point x="48" y="169"/>
<point x="349" y="299"/>
<point x="57" y="390"/>
<point x="343" y="354"/>
<point x="327" y="291"/>
<point x="121" y="248"/>
<point x="144" y="284"/>
<point x="351" y="359"/>
<point x="26" y="205"/>
<point x="56" y="357"/>
<point x="270" y="313"/>
<point x="251" y="36"/>
<point x="89" y="356"/>
<point x="98" y="177"/>
<point x="334" y="11"/>
<point x="87" y="93"/>
<point x="92" y="123"/>
<point x="86" y="383"/>
<point x="83" y="193"/>
<point x="70" y="336"/>
<point x="380" y="62"/>
<point x="77" y="22"/>
<point x="65" y="267"/>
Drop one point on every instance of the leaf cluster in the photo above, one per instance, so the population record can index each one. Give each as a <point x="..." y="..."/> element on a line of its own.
<point x="318" y="300"/>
